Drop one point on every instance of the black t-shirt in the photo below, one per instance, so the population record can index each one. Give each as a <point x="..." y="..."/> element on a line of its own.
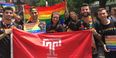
<point x="5" y="42"/>
<point x="55" y="28"/>
<point x="73" y="25"/>
<point x="105" y="30"/>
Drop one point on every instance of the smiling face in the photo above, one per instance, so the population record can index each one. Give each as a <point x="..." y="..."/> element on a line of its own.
<point x="55" y="18"/>
<point x="85" y="11"/>
<point x="34" y="13"/>
<point x="8" y="14"/>
<point x="73" y="15"/>
<point x="102" y="14"/>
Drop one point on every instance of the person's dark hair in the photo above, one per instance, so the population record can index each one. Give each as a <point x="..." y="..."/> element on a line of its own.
<point x="100" y="9"/>
<point x="84" y="4"/>
<point x="7" y="8"/>
<point x="71" y="10"/>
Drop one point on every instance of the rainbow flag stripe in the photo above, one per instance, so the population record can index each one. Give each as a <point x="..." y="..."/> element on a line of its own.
<point x="34" y="28"/>
<point x="111" y="42"/>
<point x="45" y="12"/>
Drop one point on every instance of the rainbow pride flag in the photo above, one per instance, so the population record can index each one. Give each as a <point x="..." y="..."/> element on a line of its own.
<point x="111" y="42"/>
<point x="34" y="28"/>
<point x="45" y="12"/>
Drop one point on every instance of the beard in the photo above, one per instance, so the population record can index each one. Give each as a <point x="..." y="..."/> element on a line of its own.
<point x="85" y="14"/>
<point x="7" y="18"/>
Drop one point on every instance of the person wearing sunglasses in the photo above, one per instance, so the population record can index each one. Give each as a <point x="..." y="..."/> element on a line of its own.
<point x="34" y="15"/>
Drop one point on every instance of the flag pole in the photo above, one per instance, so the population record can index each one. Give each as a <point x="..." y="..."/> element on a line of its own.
<point x="66" y="6"/>
<point x="11" y="43"/>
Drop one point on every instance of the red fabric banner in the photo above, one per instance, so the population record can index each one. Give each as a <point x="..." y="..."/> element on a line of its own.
<point x="52" y="45"/>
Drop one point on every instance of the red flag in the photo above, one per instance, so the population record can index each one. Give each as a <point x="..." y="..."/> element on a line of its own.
<point x="52" y="45"/>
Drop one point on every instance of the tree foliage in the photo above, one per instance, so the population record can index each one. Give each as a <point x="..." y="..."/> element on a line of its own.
<point x="71" y="4"/>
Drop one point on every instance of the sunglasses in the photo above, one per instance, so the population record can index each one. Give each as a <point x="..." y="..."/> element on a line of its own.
<point x="34" y="12"/>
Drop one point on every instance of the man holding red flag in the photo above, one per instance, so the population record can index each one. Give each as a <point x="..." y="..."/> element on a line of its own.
<point x="87" y="23"/>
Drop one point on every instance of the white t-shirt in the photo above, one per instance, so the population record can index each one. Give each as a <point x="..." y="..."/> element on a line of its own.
<point x="113" y="18"/>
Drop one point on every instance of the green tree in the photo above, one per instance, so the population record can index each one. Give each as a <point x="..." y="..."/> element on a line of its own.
<point x="52" y="2"/>
<point x="42" y="3"/>
<point x="71" y="4"/>
<point x="75" y="4"/>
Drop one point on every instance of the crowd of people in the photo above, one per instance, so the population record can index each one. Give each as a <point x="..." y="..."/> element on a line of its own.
<point x="102" y="24"/>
